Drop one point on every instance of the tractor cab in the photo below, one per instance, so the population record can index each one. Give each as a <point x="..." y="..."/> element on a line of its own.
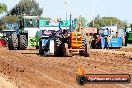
<point x="30" y="26"/>
<point x="10" y="28"/>
<point x="128" y="34"/>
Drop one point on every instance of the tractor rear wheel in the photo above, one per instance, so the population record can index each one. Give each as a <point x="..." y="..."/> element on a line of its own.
<point x="81" y="52"/>
<point x="37" y="47"/>
<point x="83" y="40"/>
<point x="58" y="47"/>
<point x="22" y="43"/>
<point x="12" y="42"/>
<point x="41" y="51"/>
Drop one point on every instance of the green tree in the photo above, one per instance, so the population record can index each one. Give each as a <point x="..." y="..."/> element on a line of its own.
<point x="28" y="7"/>
<point x="80" y="19"/>
<point x="10" y="18"/>
<point x="45" y="18"/>
<point x="106" y="21"/>
<point x="2" y="25"/>
<point x="75" y="23"/>
<point x="6" y="19"/>
<point x="3" y="8"/>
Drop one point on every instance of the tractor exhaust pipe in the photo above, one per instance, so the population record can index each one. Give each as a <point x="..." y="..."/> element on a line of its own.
<point x="79" y="27"/>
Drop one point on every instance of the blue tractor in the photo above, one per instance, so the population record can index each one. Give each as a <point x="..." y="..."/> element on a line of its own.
<point x="110" y="39"/>
<point x="52" y="38"/>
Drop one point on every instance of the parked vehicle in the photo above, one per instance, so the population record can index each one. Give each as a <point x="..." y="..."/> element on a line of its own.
<point x="24" y="34"/>
<point x="109" y="39"/>
<point x="128" y="34"/>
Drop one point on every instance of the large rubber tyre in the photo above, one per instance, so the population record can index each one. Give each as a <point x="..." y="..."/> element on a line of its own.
<point x="41" y="51"/>
<point x="37" y="47"/>
<point x="83" y="40"/>
<point x="12" y="42"/>
<point x="81" y="52"/>
<point x="85" y="46"/>
<point x="22" y="42"/>
<point x="58" y="47"/>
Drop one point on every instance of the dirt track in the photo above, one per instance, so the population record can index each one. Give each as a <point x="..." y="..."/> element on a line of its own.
<point x="26" y="69"/>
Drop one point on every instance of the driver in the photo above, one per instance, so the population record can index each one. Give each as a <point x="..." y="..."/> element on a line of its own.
<point x="65" y="35"/>
<point x="30" y="23"/>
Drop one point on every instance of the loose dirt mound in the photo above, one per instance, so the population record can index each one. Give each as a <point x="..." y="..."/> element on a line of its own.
<point x="5" y="84"/>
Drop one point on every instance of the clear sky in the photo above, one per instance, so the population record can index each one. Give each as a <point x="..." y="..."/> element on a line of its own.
<point x="56" y="8"/>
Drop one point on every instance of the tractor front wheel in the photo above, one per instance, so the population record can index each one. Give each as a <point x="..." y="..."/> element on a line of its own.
<point x="12" y="42"/>
<point x="37" y="47"/>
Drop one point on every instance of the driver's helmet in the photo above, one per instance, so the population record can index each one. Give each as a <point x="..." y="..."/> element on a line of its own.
<point x="64" y="31"/>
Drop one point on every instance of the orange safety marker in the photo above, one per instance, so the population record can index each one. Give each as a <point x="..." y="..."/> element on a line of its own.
<point x="81" y="71"/>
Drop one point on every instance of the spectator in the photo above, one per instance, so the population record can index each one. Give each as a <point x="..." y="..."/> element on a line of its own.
<point x="116" y="34"/>
<point x="108" y="41"/>
<point x="93" y="43"/>
<point x="98" y="42"/>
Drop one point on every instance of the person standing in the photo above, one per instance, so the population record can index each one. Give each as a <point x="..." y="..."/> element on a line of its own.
<point x="108" y="41"/>
<point x="99" y="41"/>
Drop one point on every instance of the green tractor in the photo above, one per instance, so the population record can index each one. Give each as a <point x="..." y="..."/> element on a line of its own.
<point x="128" y="34"/>
<point x="26" y="34"/>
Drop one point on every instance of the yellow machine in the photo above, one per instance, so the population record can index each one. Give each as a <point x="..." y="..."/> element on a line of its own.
<point x="77" y="43"/>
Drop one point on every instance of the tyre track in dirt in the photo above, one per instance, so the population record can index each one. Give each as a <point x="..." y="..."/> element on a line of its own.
<point x="122" y="85"/>
<point x="117" y="71"/>
<point x="19" y="59"/>
<point x="53" y="65"/>
<point x="110" y="67"/>
<point x="81" y="57"/>
<point x="118" y="66"/>
<point x="38" y="73"/>
<point x="84" y="87"/>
